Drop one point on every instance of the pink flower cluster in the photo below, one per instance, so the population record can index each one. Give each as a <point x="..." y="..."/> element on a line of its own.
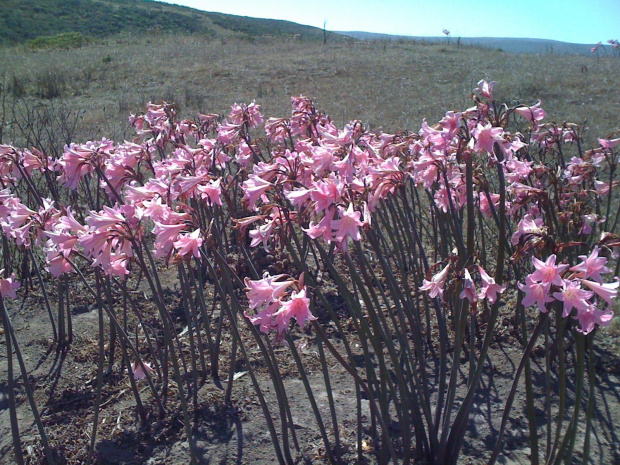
<point x="579" y="288"/>
<point x="274" y="306"/>
<point x="489" y="289"/>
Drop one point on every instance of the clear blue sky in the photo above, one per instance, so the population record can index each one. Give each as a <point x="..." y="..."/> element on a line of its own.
<point x="577" y="21"/>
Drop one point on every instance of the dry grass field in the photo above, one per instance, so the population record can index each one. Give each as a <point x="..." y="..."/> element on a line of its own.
<point x="390" y="86"/>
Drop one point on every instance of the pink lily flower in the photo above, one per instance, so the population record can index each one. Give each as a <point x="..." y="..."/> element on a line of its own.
<point x="490" y="289"/>
<point x="592" y="266"/>
<point x="297" y="307"/>
<point x="254" y="188"/>
<point x="348" y="224"/>
<point x="535" y="293"/>
<point x="573" y="296"/>
<point x="606" y="291"/>
<point x="139" y="369"/>
<point x="486" y="136"/>
<point x="469" y="289"/>
<point x="533" y="113"/>
<point x="548" y="271"/>
<point x="265" y="291"/>
<point x="435" y="286"/>
<point x="592" y="316"/>
<point x="8" y="286"/>
<point x="189" y="243"/>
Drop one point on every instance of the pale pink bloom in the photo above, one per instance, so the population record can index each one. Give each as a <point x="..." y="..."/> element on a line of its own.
<point x="8" y="286"/>
<point x="326" y="192"/>
<point x="57" y="264"/>
<point x="212" y="192"/>
<point x="264" y="317"/>
<point x="527" y="226"/>
<point x="254" y="188"/>
<point x="244" y="154"/>
<point x="139" y="369"/>
<point x="243" y="223"/>
<point x="485" y="88"/>
<point x="486" y="136"/>
<point x="602" y="188"/>
<point x="517" y="170"/>
<point x="592" y="316"/>
<point x="265" y="291"/>
<point x="156" y="210"/>
<point x="250" y="114"/>
<point x="436" y="285"/>
<point x="469" y="289"/>
<point x="573" y="296"/>
<point x="548" y="271"/>
<point x="186" y="185"/>
<point x="533" y="113"/>
<point x="62" y="241"/>
<point x="490" y="289"/>
<point x="298" y="307"/>
<point x="81" y="159"/>
<point x="485" y="207"/>
<point x="609" y="143"/>
<point x="535" y="293"/>
<point x="105" y="219"/>
<point x="277" y="129"/>
<point x="592" y="266"/>
<point x="166" y="235"/>
<point x="189" y="243"/>
<point x="323" y="228"/>
<point x="228" y="133"/>
<point x="36" y="160"/>
<point x="606" y="291"/>
<point x="298" y="196"/>
<point x="458" y="196"/>
<point x="262" y="234"/>
<point x="348" y="224"/>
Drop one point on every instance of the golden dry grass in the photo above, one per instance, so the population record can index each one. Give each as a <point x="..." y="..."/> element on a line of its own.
<point x="389" y="86"/>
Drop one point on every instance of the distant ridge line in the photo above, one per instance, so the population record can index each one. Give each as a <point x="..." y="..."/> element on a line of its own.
<point x="511" y="45"/>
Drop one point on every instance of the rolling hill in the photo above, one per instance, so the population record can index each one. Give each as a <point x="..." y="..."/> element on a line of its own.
<point x="23" y="20"/>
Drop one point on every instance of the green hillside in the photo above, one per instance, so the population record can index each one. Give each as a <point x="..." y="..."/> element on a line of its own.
<point x="23" y="20"/>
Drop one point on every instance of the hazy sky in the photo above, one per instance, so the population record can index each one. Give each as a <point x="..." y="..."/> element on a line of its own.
<point x="577" y="21"/>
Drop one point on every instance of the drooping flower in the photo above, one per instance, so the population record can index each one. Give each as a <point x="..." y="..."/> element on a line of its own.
<point x="485" y="89"/>
<point x="469" y="289"/>
<point x="435" y="286"/>
<point x="592" y="316"/>
<point x="8" y="286"/>
<point x="527" y="226"/>
<point x="533" y="113"/>
<point x="486" y="136"/>
<point x="606" y="291"/>
<point x="347" y="226"/>
<point x="254" y="188"/>
<point x="490" y="289"/>
<point x="298" y="307"/>
<point x="140" y="368"/>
